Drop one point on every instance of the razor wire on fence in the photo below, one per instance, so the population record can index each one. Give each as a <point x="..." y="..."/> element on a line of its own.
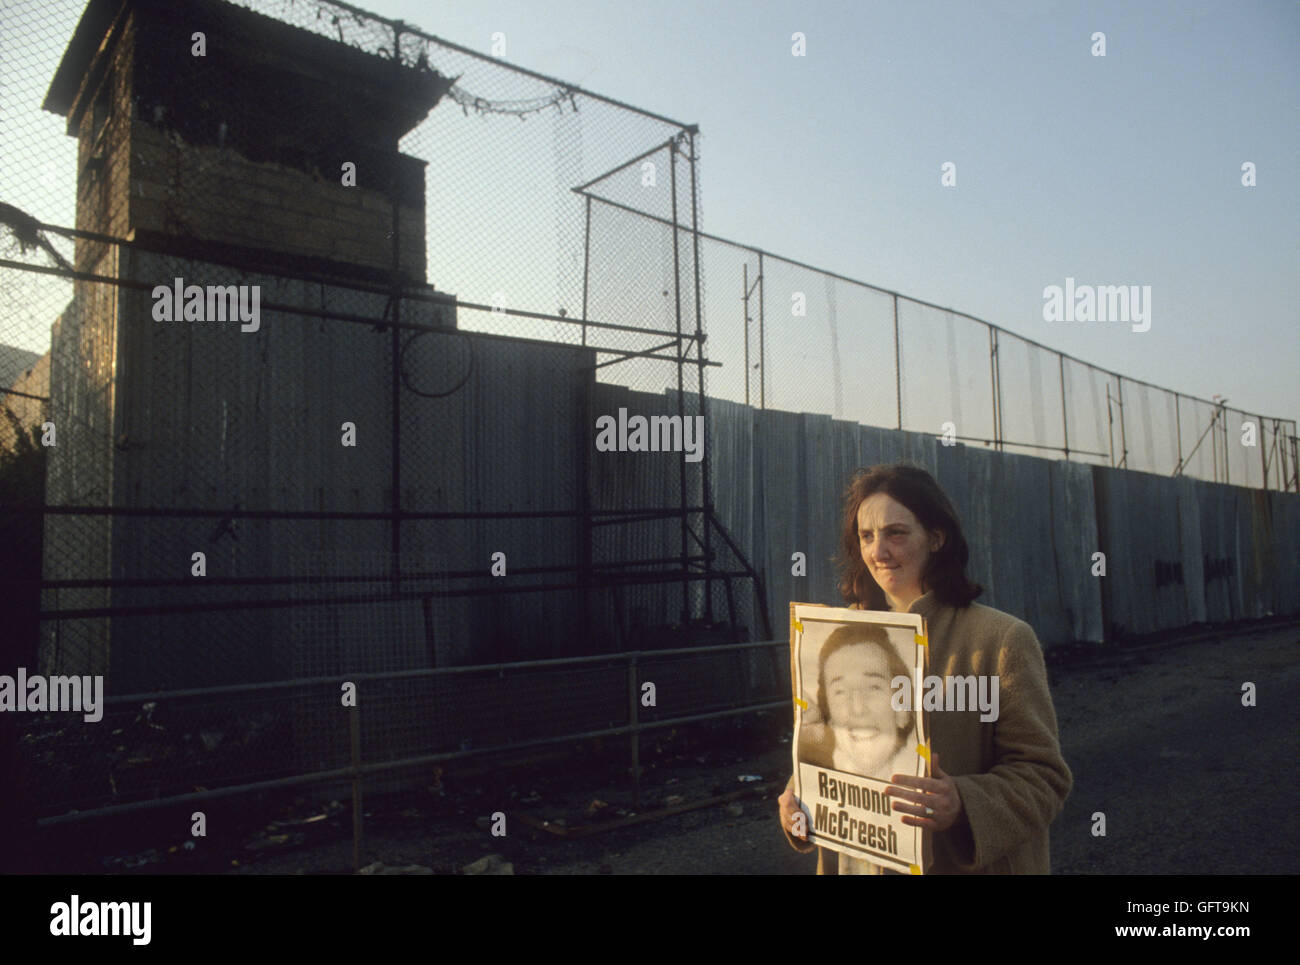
<point x="305" y="333"/>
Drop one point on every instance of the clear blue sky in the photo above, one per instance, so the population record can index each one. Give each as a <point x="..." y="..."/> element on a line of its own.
<point x="1123" y="169"/>
<point x="1115" y="170"/>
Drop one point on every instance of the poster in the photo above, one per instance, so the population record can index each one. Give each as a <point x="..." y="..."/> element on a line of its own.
<point x="848" y="735"/>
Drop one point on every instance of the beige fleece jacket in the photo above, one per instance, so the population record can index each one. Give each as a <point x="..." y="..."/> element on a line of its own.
<point x="1009" y="772"/>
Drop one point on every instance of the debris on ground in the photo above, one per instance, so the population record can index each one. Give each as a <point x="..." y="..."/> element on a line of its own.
<point x="126" y="860"/>
<point x="379" y="868"/>
<point x="265" y="841"/>
<point x="489" y="864"/>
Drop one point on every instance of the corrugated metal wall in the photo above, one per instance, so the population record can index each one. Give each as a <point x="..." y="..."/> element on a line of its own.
<point x="1033" y="526"/>
<point x="206" y="416"/>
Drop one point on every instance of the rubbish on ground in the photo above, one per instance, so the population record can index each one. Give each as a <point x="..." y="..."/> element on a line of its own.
<point x="379" y="868"/>
<point x="489" y="864"/>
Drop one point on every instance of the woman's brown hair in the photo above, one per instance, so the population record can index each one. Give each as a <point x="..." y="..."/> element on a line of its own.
<point x="945" y="570"/>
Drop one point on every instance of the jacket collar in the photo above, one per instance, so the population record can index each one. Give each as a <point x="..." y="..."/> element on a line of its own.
<point x="927" y="604"/>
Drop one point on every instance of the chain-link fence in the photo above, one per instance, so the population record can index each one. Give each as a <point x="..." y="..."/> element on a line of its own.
<point x="308" y="313"/>
<point x="307" y="317"/>
<point x="808" y="340"/>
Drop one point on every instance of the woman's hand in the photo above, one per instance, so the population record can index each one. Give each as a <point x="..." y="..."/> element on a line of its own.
<point x="789" y="809"/>
<point x="935" y="800"/>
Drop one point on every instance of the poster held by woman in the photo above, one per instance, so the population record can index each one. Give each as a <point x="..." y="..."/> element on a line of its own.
<point x="851" y="731"/>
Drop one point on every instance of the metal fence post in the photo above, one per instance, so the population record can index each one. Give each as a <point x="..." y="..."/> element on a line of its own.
<point x="1065" y="425"/>
<point x="762" y="342"/>
<point x="1110" y="425"/>
<point x="1214" y="442"/>
<point x="705" y="489"/>
<point x="1123" y="437"/>
<point x="354" y="728"/>
<point x="1178" y="425"/>
<point x="395" y="340"/>
<point x="586" y="267"/>
<point x="634" y="733"/>
<point x="1263" y="454"/>
<point x="681" y="386"/>
<point x="898" y="368"/>
<point x="993" y="386"/>
<point x="744" y="312"/>
<point x="1227" y="452"/>
<point x="997" y="361"/>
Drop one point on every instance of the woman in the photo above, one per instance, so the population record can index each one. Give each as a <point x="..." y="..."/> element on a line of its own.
<point x="1002" y="781"/>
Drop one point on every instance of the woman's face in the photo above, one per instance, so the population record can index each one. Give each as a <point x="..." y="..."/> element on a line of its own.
<point x="895" y="548"/>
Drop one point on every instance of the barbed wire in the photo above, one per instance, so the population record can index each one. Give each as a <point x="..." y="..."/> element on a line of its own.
<point x="482" y="106"/>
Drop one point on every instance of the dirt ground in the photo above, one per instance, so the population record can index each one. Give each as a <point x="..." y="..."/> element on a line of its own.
<point x="1158" y="741"/>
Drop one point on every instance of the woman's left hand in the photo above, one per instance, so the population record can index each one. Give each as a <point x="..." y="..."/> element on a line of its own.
<point x="939" y="794"/>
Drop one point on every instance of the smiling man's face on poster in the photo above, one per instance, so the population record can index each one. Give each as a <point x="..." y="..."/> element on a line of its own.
<point x="867" y="731"/>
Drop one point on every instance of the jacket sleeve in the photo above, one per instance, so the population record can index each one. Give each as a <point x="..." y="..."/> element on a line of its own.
<point x="1025" y="789"/>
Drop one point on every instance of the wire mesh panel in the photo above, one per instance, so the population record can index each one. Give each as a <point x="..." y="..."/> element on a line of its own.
<point x="731" y="306"/>
<point x="1149" y="428"/>
<point x="267" y="493"/>
<point x="1241" y="448"/>
<point x="1088" y="412"/>
<point x="1202" y="438"/>
<point x="1277" y="441"/>
<point x="825" y="345"/>
<point x="801" y="372"/>
<point x="946" y="373"/>
<point x="639" y="291"/>
<point x="1030" y="398"/>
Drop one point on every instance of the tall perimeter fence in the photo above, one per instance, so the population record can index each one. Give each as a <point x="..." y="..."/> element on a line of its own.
<point x="390" y="479"/>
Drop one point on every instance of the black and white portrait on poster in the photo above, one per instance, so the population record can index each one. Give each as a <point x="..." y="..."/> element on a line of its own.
<point x="851" y="733"/>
